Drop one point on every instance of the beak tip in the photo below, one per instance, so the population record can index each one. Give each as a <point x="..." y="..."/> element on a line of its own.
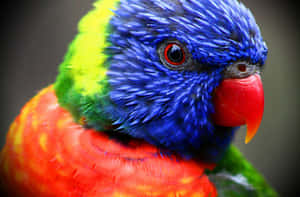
<point x="251" y="132"/>
<point x="247" y="140"/>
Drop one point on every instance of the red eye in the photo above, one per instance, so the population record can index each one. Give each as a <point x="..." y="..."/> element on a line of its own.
<point x="174" y="54"/>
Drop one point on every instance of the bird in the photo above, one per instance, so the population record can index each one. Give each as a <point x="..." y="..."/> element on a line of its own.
<point x="147" y="102"/>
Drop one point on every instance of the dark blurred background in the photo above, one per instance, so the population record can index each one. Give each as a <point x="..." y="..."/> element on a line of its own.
<point x="35" y="35"/>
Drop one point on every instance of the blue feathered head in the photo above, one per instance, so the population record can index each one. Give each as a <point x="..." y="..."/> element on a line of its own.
<point x="167" y="58"/>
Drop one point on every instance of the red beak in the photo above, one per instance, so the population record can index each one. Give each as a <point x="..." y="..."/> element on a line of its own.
<point x="238" y="102"/>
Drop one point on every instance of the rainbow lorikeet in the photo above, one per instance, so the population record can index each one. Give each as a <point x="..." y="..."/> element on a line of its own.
<point x="146" y="103"/>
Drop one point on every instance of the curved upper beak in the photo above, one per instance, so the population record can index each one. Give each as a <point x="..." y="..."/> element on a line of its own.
<point x="238" y="102"/>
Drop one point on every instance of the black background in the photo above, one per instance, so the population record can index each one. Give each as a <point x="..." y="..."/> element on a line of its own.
<point x="35" y="35"/>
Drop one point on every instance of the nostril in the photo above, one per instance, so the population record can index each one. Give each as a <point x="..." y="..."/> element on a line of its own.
<point x="242" y="67"/>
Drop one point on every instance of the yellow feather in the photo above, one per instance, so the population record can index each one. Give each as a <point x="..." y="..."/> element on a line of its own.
<point x="87" y="64"/>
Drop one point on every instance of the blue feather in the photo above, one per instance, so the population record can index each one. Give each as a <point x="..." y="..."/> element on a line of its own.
<point x="172" y="109"/>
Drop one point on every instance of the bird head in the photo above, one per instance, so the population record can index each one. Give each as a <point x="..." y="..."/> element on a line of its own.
<point x="179" y="74"/>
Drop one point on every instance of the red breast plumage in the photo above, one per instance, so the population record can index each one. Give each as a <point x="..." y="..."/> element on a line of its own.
<point x="48" y="154"/>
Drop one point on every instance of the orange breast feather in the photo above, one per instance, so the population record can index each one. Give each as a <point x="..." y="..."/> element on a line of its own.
<point x="48" y="154"/>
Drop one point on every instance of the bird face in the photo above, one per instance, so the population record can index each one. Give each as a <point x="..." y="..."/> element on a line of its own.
<point x="183" y="73"/>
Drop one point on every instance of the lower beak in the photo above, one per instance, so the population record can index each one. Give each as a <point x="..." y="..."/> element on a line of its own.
<point x="238" y="102"/>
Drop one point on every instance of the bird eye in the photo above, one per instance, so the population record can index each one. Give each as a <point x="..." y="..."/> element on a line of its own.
<point x="175" y="55"/>
<point x="240" y="70"/>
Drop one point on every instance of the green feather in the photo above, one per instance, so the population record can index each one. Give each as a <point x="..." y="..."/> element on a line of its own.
<point x="235" y="164"/>
<point x="82" y="86"/>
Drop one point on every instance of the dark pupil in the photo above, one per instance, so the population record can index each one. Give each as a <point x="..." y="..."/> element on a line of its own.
<point x="175" y="54"/>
